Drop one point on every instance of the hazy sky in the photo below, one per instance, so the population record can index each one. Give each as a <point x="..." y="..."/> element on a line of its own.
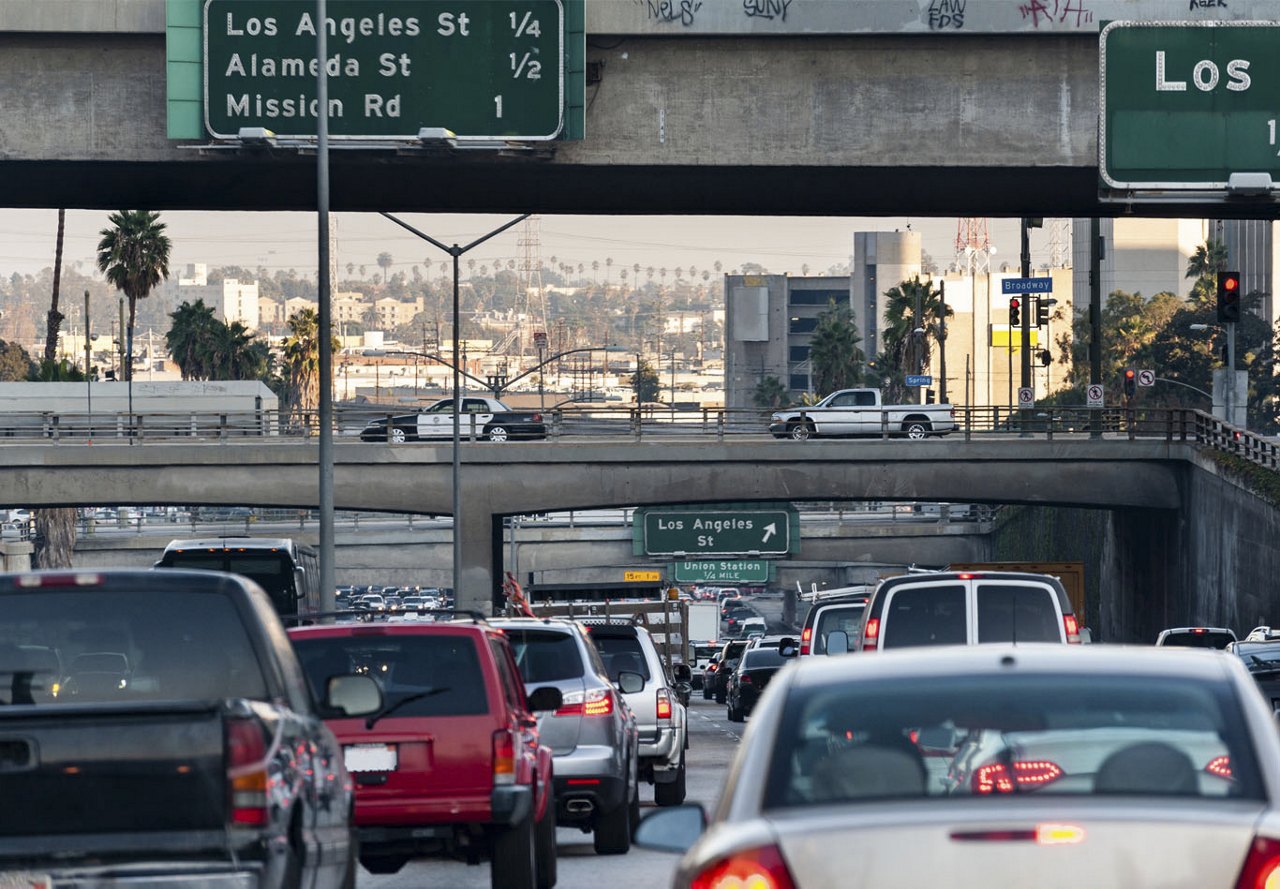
<point x="288" y="240"/>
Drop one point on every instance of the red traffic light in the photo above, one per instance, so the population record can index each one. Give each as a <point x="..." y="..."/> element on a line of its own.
<point x="1014" y="303"/>
<point x="1129" y="374"/>
<point x="1230" y="282"/>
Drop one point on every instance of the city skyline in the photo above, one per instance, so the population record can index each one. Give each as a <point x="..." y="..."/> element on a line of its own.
<point x="283" y="241"/>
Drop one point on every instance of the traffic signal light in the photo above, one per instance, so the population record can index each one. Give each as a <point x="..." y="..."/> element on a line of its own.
<point x="1228" y="296"/>
<point x="1015" y="312"/>
<point x="1130" y="382"/>
<point x="1042" y="313"/>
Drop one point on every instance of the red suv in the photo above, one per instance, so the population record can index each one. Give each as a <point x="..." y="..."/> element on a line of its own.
<point x="452" y="764"/>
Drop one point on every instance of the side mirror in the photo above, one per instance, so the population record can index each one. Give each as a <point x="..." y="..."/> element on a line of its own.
<point x="837" y="642"/>
<point x="353" y="695"/>
<point x="787" y="647"/>
<point x="546" y="698"/>
<point x="630" y="683"/>
<point x="671" y="830"/>
<point x="681" y="673"/>
<point x="299" y="582"/>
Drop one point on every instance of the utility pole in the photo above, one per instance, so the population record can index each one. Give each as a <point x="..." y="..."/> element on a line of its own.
<point x="942" y="342"/>
<point x="1024" y="335"/>
<point x="1095" y="313"/>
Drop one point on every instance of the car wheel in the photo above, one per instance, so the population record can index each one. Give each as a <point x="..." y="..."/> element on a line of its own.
<point x="397" y="435"/>
<point x="917" y="429"/>
<point x="498" y="433"/>
<point x="735" y="713"/>
<point x="545" y="850"/>
<point x="383" y="864"/>
<point x="634" y="814"/>
<point x="800" y="431"/>
<point x="672" y="793"/>
<point x="706" y="691"/>
<point x="514" y="864"/>
<point x="612" y="833"/>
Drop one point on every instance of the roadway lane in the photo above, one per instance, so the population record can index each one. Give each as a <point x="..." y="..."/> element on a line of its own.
<point x="712" y="743"/>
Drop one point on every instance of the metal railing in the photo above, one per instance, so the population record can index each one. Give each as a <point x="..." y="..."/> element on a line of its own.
<point x="644" y="424"/>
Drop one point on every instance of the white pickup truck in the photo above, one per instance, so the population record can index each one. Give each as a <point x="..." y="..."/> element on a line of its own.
<point x="858" y="412"/>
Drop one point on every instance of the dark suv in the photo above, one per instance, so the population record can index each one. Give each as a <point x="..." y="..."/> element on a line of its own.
<point x="592" y="735"/>
<point x="452" y="764"/>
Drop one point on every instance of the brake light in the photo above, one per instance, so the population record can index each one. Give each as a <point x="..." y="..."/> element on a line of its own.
<point x="871" y="634"/>
<point x="1072" y="626"/>
<point x="1262" y="865"/>
<point x="744" y="679"/>
<point x="664" y="704"/>
<point x="1199" y="630"/>
<point x="1221" y="767"/>
<point x="47" y="581"/>
<point x="246" y="757"/>
<point x="537" y="418"/>
<point x="806" y="640"/>
<point x="504" y="757"/>
<point x="761" y="868"/>
<point x="966" y="576"/>
<point x="994" y="778"/>
<point x="596" y="702"/>
<point x="711" y="668"/>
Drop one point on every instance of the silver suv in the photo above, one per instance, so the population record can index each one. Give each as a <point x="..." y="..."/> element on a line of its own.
<point x="626" y="648"/>
<point x="592" y="736"/>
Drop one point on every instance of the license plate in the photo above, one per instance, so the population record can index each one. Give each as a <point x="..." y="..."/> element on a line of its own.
<point x="363" y="758"/>
<point x="25" y="880"/>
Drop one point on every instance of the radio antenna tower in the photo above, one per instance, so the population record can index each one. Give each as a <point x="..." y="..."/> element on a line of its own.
<point x="531" y="297"/>
<point x="973" y="246"/>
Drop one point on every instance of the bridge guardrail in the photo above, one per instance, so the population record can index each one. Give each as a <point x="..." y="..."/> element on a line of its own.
<point x="642" y="424"/>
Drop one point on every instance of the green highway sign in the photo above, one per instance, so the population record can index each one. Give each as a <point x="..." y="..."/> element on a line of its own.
<point x="714" y="532"/>
<point x="490" y="70"/>
<point x="721" y="571"/>
<point x="1184" y="105"/>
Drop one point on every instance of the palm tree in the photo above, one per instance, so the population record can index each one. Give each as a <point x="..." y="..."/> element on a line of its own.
<point x="384" y="263"/>
<point x="301" y="354"/>
<point x="190" y="336"/>
<point x="351" y="269"/>
<point x="55" y="528"/>
<point x="240" y="356"/>
<point x="1204" y="265"/>
<point x="771" y="394"/>
<point x="134" y="255"/>
<point x="833" y="351"/>
<point x="910" y="307"/>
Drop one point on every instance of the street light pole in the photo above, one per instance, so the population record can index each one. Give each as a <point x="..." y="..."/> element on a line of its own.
<point x="456" y="252"/>
<point x="328" y="548"/>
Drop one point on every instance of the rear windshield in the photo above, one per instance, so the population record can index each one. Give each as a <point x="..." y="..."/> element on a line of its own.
<point x="95" y="647"/>
<point x="757" y="658"/>
<point x="1198" y="640"/>
<point x="419" y="675"/>
<point x="995" y="735"/>
<point x="620" y="653"/>
<point x="1011" y="612"/>
<point x="705" y="652"/>
<point x="845" y="618"/>
<point x="545" y="657"/>
<point x="734" y="650"/>
<point x="925" y="615"/>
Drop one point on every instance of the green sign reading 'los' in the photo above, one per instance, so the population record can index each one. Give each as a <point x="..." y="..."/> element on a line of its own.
<point x="1186" y="105"/>
<point x="491" y="70"/>
<point x="763" y="532"/>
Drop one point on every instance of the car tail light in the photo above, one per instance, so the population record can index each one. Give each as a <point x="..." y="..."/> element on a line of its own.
<point x="1262" y="865"/>
<point x="1221" y="767"/>
<point x="48" y="581"/>
<point x="711" y="668"/>
<point x="806" y="640"/>
<point x="246" y="756"/>
<point x="761" y="868"/>
<point x="744" y="679"/>
<point x="504" y="757"/>
<point x="1072" y="626"/>
<point x="537" y="418"/>
<point x="1029" y="774"/>
<point x="664" y="704"/>
<point x="871" y="634"/>
<point x="596" y="702"/>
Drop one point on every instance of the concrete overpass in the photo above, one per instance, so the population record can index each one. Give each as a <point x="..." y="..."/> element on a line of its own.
<point x="532" y="477"/>
<point x="853" y="107"/>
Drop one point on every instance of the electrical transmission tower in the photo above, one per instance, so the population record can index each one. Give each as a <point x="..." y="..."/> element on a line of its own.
<point x="973" y="246"/>
<point x="531" y="297"/>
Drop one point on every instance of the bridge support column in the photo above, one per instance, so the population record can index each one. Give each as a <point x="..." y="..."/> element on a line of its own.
<point x="16" y="556"/>
<point x="477" y="588"/>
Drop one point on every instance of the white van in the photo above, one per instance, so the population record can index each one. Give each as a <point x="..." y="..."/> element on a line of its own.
<point x="967" y="608"/>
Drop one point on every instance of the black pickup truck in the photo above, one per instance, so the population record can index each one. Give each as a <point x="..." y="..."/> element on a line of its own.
<point x="156" y="730"/>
